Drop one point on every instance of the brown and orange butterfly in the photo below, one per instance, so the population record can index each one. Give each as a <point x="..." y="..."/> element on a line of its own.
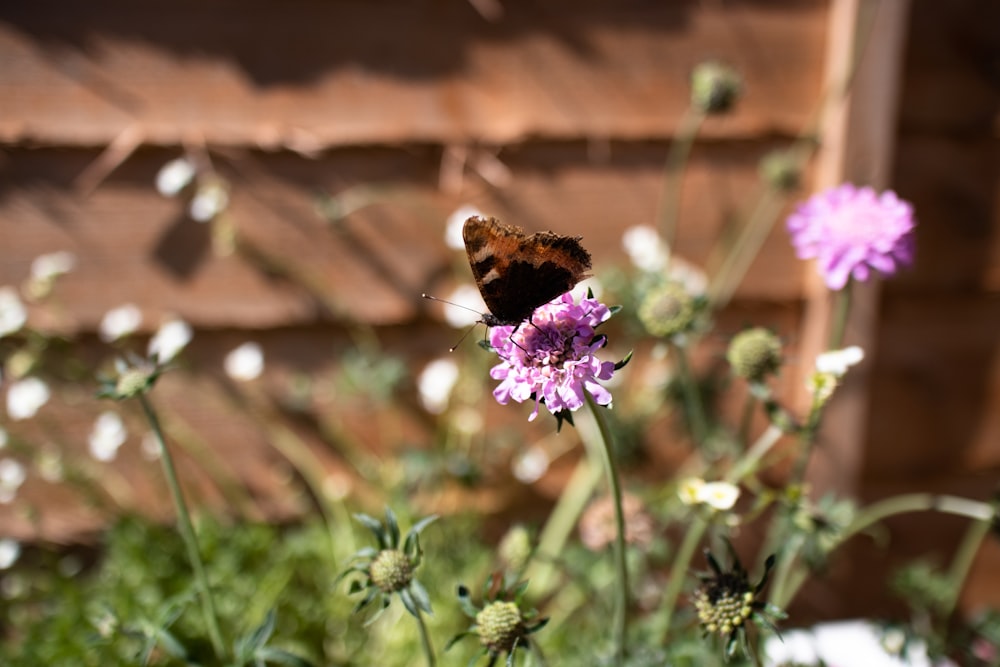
<point x="516" y="272"/>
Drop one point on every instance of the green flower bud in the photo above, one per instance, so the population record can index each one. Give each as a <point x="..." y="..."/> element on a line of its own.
<point x="391" y="571"/>
<point x="715" y="87"/>
<point x="499" y="625"/>
<point x="781" y="170"/>
<point x="515" y="548"/>
<point x="667" y="310"/>
<point x="131" y="382"/>
<point x="754" y="354"/>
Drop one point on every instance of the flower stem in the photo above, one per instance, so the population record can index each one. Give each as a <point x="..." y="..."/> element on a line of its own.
<point x="425" y="640"/>
<point x="841" y="309"/>
<point x="673" y="171"/>
<point x="962" y="561"/>
<point x="692" y="399"/>
<point x="186" y="529"/>
<point x="678" y="572"/>
<point x="981" y="512"/>
<point x="621" y="568"/>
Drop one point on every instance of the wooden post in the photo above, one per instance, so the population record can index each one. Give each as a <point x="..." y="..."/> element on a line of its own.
<point x="858" y="142"/>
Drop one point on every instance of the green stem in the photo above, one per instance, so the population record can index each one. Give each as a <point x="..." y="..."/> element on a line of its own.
<point x="186" y="529"/>
<point x="962" y="561"/>
<point x="678" y="574"/>
<point x="621" y="568"/>
<point x="911" y="502"/>
<point x="841" y="309"/>
<point x="692" y="398"/>
<point x="747" y="418"/>
<point x="748" y="463"/>
<point x="673" y="172"/>
<point x="425" y="640"/>
<point x="560" y="524"/>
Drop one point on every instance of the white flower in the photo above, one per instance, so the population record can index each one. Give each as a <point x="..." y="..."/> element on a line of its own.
<point x="531" y="465"/>
<point x="13" y="314"/>
<point x="10" y="550"/>
<point x="646" y="248"/>
<point x="689" y="489"/>
<point x="47" y="267"/>
<point x="210" y="200"/>
<point x="25" y="397"/>
<point x="841" y="643"/>
<point x="720" y="496"/>
<point x="587" y="286"/>
<point x="836" y="362"/>
<point x="174" y="176"/>
<point x="453" y="228"/>
<point x="12" y="476"/>
<point x="119" y="322"/>
<point x="245" y="362"/>
<point x="171" y="338"/>
<point x="460" y="316"/>
<point x="435" y="384"/>
<point x="107" y="436"/>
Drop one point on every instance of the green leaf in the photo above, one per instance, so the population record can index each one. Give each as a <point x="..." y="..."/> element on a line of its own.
<point x="465" y="602"/>
<point x="457" y="638"/>
<point x="375" y="526"/>
<point x="393" y="527"/>
<point x="409" y="602"/>
<point x="420" y="596"/>
<point x="413" y="533"/>
<point x="262" y="633"/>
<point x="624" y="362"/>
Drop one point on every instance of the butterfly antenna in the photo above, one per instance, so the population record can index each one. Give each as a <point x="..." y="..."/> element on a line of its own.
<point x="452" y="303"/>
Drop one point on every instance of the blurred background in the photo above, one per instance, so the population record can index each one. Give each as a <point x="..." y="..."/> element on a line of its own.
<point x="283" y="174"/>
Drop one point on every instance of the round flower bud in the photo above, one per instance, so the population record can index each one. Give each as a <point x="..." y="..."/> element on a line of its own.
<point x="715" y="87"/>
<point x="667" y="310"/>
<point x="754" y="354"/>
<point x="131" y="382"/>
<point x="515" y="548"/>
<point x="781" y="171"/>
<point x="391" y="570"/>
<point x="499" y="626"/>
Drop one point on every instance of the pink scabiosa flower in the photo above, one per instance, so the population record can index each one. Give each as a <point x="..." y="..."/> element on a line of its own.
<point x="553" y="358"/>
<point x="851" y="230"/>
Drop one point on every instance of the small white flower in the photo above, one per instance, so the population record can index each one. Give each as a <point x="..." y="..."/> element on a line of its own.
<point x="10" y="550"/>
<point x="171" y="338"/>
<point x="13" y="314"/>
<point x="210" y="200"/>
<point x="531" y="465"/>
<point x="720" y="496"/>
<point x="174" y="176"/>
<point x="591" y="284"/>
<point x="12" y="476"/>
<point x="107" y="436"/>
<point x="453" y="228"/>
<point x="25" y="397"/>
<point x="461" y="316"/>
<point x="245" y="362"/>
<point x="836" y="362"/>
<point x="646" y="248"/>
<point x="52" y="265"/>
<point x="119" y="322"/>
<point x="689" y="489"/>
<point x="435" y="384"/>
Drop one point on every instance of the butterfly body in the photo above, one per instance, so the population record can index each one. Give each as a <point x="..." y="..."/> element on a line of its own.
<point x="516" y="272"/>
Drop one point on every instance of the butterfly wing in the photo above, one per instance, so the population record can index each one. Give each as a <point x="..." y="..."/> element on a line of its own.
<point x="517" y="273"/>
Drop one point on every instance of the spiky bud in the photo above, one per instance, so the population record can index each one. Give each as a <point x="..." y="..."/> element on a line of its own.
<point x="754" y="354"/>
<point x="715" y="87"/>
<point x="667" y="310"/>
<point x="499" y="625"/>
<point x="391" y="571"/>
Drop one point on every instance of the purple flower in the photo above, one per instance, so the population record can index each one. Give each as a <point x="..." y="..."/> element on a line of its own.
<point x="851" y="230"/>
<point x="552" y="358"/>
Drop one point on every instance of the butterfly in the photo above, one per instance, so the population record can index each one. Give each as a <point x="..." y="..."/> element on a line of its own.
<point x="515" y="272"/>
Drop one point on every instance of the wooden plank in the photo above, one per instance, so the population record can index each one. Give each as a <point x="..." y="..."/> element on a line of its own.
<point x="335" y="73"/>
<point x="865" y="48"/>
<point x="135" y="246"/>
